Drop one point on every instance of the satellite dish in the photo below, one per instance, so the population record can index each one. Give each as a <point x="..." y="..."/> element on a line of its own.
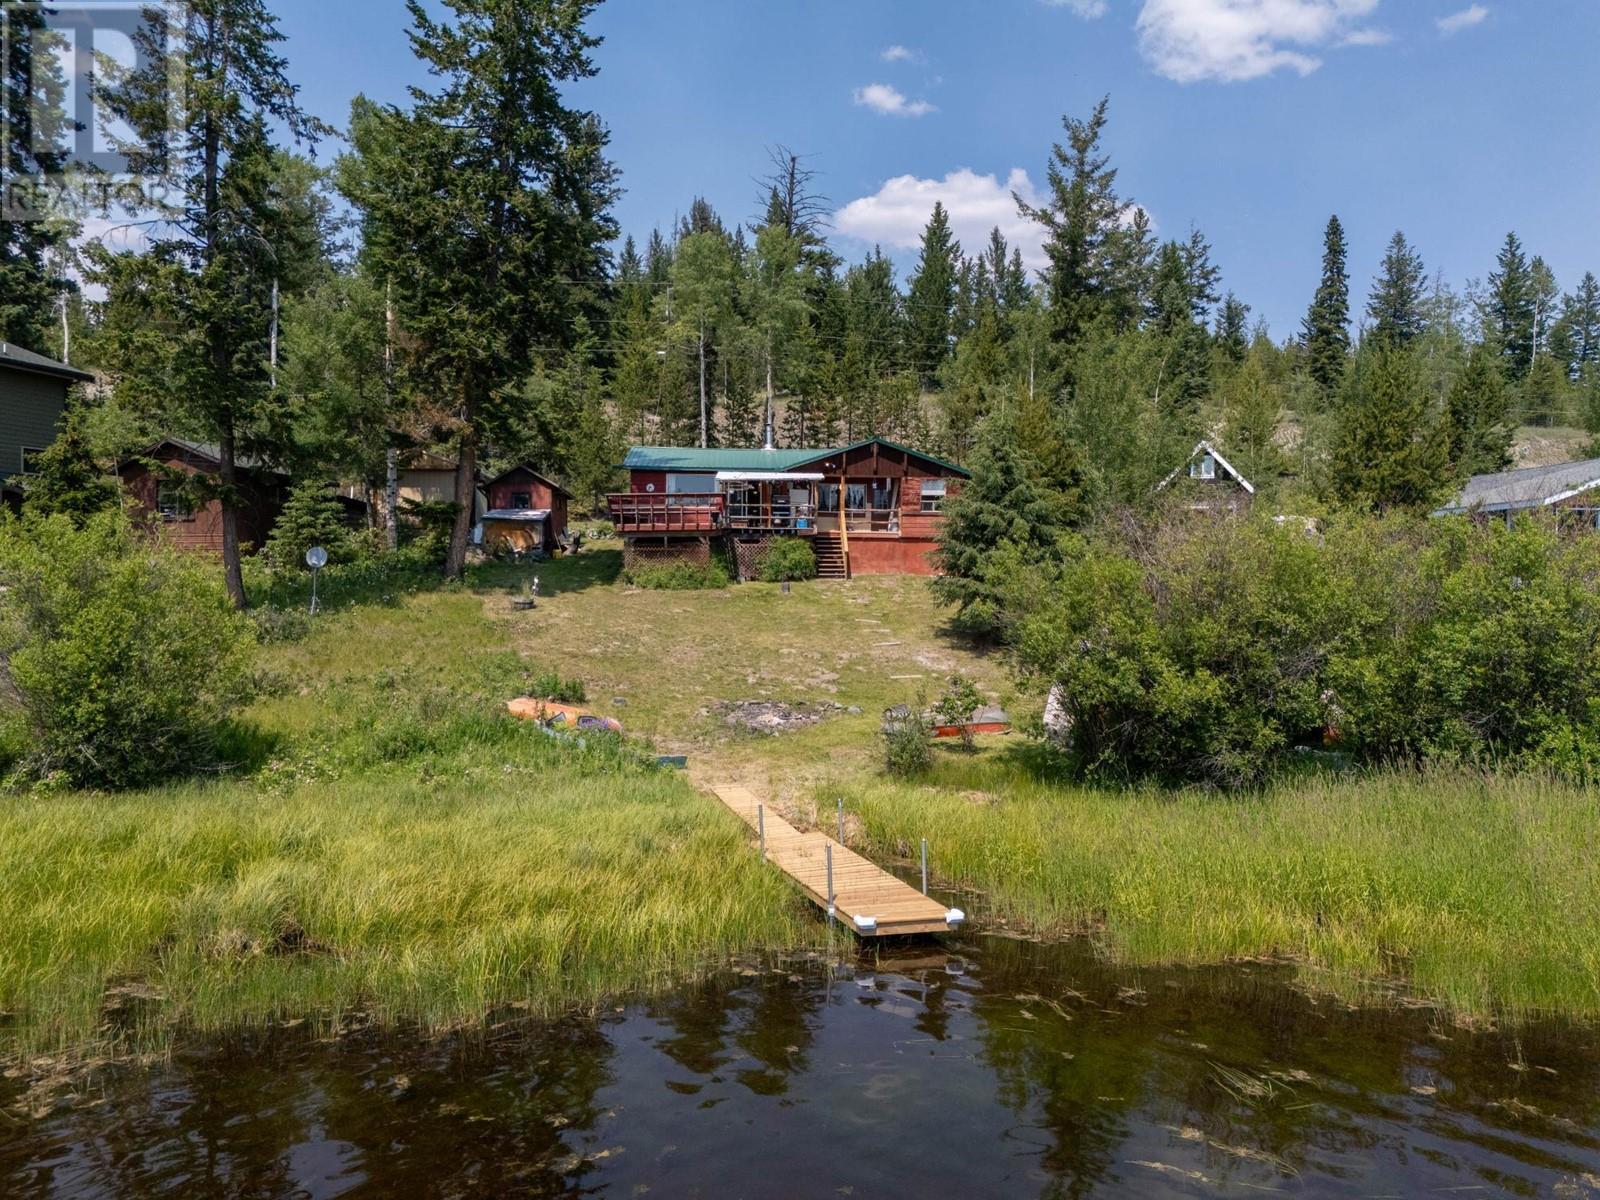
<point x="316" y="558"/>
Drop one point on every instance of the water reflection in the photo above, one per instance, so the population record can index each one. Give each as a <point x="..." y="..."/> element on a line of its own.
<point x="998" y="1069"/>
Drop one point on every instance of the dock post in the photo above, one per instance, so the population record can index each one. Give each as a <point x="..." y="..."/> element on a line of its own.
<point x="828" y="851"/>
<point x="841" y="820"/>
<point x="761" y="830"/>
<point x="924" y="866"/>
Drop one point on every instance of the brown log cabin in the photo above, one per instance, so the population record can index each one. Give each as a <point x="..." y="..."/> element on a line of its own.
<point x="872" y="508"/>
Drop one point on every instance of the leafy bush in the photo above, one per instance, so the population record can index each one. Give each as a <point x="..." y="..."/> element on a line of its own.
<point x="679" y="576"/>
<point x="1206" y="651"/>
<point x="908" y="741"/>
<point x="959" y="701"/>
<point x="121" y="656"/>
<point x="788" y="558"/>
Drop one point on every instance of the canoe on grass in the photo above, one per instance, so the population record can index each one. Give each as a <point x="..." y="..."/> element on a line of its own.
<point x="563" y="716"/>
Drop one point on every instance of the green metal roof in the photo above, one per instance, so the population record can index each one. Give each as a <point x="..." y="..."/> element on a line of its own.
<point x="693" y="459"/>
<point x="690" y="458"/>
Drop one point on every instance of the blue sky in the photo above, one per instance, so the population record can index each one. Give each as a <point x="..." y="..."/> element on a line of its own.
<point x="1253" y="119"/>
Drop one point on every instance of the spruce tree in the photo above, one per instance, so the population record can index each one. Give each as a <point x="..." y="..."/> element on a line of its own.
<point x="1389" y="453"/>
<point x="931" y="297"/>
<point x="1545" y="295"/>
<point x="311" y="517"/>
<point x="1511" y="308"/>
<point x="1395" y="307"/>
<point x="1326" y="332"/>
<point x="1002" y="509"/>
<point x="1252" y="409"/>
<point x="67" y="479"/>
<point x="1232" y="335"/>
<point x="188" y="319"/>
<point x="1578" y="343"/>
<point x="487" y="204"/>
<point x="33" y="121"/>
<point x="1478" y="429"/>
<point x="704" y="279"/>
<point x="1089" y="258"/>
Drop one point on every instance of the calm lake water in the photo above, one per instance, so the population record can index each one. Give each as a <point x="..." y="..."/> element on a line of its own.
<point x="987" y="1068"/>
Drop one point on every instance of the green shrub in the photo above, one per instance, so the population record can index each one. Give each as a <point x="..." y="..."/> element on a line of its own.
<point x="956" y="706"/>
<point x="121" y="656"/>
<point x="1206" y="651"/>
<point x="788" y="559"/>
<point x="679" y="576"/>
<point x="907" y="740"/>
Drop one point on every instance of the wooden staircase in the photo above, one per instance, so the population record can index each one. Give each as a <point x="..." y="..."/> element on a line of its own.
<point x="831" y="560"/>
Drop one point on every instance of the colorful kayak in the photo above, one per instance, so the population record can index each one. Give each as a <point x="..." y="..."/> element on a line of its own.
<point x="560" y="716"/>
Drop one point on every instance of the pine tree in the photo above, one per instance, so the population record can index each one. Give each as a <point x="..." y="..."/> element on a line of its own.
<point x="1252" y="410"/>
<point x="311" y="517"/>
<point x="1185" y="379"/>
<point x="1545" y="294"/>
<point x="67" y="479"/>
<point x="1232" y="335"/>
<point x="487" y="205"/>
<point x="1395" y="307"/>
<point x="704" y="279"/>
<point x="1511" y="309"/>
<point x="931" y="299"/>
<point x="1478" y="430"/>
<point x="1088" y="266"/>
<point x="1326" y="333"/>
<point x="1576" y="339"/>
<point x="33" y="121"/>
<point x="1002" y="509"/>
<point x="188" y="319"/>
<point x="775" y="303"/>
<point x="1389" y="453"/>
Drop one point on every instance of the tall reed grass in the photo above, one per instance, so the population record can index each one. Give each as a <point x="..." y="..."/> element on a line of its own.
<point x="1480" y="891"/>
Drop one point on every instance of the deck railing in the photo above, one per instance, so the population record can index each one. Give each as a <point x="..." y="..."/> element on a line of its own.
<point x="872" y="520"/>
<point x="641" y="512"/>
<point x="774" y="514"/>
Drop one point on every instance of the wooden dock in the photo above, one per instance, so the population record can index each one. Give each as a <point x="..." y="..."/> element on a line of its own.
<point x="866" y="898"/>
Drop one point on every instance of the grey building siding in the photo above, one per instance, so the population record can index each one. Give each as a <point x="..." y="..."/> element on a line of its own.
<point x="30" y="415"/>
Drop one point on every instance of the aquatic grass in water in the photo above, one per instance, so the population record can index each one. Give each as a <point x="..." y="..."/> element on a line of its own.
<point x="1482" y="892"/>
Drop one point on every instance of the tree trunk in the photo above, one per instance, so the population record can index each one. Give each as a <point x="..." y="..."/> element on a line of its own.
<point x="705" y="417"/>
<point x="391" y="497"/>
<point x="466" y="500"/>
<point x="391" y="456"/>
<point x="227" y="477"/>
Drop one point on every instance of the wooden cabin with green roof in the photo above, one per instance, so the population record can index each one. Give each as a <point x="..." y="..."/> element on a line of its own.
<point x="872" y="508"/>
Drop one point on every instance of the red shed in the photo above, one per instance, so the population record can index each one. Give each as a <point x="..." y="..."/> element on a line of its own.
<point x="522" y="488"/>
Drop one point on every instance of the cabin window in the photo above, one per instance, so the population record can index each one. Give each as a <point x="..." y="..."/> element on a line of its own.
<point x="173" y="503"/>
<point x="933" y="492"/>
<point x="30" y="459"/>
<point x="521" y="499"/>
<point x="1203" y="468"/>
<point x="827" y="497"/>
<point x="691" y="485"/>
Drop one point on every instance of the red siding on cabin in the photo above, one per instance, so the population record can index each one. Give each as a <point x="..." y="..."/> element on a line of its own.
<point x="654" y="482"/>
<point x="879" y="554"/>
<point x="202" y="529"/>
<point x="542" y="494"/>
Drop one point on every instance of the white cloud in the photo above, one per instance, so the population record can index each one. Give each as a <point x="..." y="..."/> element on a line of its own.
<point x="1084" y="8"/>
<point x="891" y="102"/>
<point x="1231" y="40"/>
<point x="1477" y="14"/>
<point x="895" y="214"/>
<point x="898" y="53"/>
<point x="1367" y="37"/>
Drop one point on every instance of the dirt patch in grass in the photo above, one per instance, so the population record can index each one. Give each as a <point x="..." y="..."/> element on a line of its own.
<point x="767" y="718"/>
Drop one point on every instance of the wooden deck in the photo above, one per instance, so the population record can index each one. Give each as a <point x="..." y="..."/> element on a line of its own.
<point x="867" y="898"/>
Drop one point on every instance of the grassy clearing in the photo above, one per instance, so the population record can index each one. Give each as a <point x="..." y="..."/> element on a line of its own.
<point x="401" y="850"/>
<point x="394" y="848"/>
<point x="1480" y="892"/>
